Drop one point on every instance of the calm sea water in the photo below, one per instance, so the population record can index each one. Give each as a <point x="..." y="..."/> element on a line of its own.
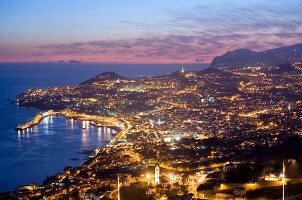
<point x="57" y="142"/>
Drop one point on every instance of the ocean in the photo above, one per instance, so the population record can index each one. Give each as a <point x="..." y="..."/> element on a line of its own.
<point x="56" y="142"/>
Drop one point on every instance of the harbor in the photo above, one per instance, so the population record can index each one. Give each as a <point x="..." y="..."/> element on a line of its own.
<point x="120" y="126"/>
<point x="35" y="121"/>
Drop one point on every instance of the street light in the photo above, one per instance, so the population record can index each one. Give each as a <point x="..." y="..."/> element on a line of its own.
<point x="118" y="187"/>
<point x="148" y="176"/>
<point x="283" y="177"/>
<point x="171" y="176"/>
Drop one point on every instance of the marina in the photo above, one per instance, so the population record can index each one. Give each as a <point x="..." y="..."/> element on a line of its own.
<point x="87" y="120"/>
<point x="35" y="121"/>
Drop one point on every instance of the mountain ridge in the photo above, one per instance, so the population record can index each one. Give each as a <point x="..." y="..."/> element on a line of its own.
<point x="248" y="58"/>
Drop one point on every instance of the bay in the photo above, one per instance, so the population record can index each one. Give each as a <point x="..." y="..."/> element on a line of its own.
<point x="56" y="142"/>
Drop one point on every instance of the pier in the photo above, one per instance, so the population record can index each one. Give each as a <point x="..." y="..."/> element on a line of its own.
<point x="111" y="125"/>
<point x="97" y="121"/>
<point x="35" y="121"/>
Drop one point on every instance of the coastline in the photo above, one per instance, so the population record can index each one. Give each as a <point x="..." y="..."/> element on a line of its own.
<point x="121" y="126"/>
<point x="35" y="121"/>
<point x="97" y="121"/>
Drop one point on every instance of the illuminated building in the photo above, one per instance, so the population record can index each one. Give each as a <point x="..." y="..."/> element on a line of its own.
<point x="156" y="176"/>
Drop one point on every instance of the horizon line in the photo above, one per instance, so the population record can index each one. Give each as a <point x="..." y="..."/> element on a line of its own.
<point x="102" y="63"/>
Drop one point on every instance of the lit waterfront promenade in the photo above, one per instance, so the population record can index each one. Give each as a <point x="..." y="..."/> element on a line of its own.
<point x="120" y="125"/>
<point x="35" y="121"/>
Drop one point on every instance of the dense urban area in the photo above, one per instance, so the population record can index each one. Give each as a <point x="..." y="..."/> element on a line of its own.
<point x="211" y="134"/>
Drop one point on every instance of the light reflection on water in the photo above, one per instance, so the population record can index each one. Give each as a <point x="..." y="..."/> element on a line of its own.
<point x="47" y="148"/>
<point x="47" y="127"/>
<point x="26" y="158"/>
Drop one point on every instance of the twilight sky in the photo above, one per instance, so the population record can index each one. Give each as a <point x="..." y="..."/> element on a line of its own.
<point x="143" y="31"/>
